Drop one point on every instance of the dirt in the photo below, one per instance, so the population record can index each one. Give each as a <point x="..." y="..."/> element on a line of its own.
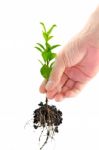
<point x="48" y="117"/>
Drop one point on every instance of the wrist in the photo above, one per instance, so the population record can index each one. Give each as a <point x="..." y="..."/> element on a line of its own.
<point x="91" y="30"/>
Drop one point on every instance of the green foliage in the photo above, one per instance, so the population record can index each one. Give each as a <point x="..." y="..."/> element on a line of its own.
<point x="45" y="71"/>
<point x="46" y="51"/>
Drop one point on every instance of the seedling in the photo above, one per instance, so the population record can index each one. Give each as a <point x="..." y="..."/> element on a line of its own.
<point x="46" y="116"/>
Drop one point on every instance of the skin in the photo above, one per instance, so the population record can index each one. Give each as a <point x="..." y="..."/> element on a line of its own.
<point x="76" y="64"/>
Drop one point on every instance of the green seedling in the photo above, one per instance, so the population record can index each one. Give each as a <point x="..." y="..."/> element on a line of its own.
<point x="45" y="116"/>
<point x="47" y="51"/>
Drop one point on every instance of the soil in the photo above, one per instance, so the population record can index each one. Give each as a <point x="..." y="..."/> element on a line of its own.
<point x="49" y="118"/>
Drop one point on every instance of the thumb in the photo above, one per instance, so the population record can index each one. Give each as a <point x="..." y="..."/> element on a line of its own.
<point x="56" y="73"/>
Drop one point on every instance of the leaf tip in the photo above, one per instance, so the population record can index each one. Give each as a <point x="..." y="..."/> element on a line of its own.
<point x="54" y="25"/>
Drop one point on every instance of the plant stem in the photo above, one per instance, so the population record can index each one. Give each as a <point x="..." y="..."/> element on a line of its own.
<point x="46" y="101"/>
<point x="47" y="63"/>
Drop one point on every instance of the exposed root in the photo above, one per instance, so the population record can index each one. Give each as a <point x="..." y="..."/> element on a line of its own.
<point x="48" y="117"/>
<point x="45" y="140"/>
<point x="41" y="134"/>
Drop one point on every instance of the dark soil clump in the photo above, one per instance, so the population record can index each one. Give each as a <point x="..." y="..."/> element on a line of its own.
<point x="48" y="117"/>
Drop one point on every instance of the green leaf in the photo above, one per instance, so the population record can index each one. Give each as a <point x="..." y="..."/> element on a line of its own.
<point x="50" y="30"/>
<point x="45" y="71"/>
<point x="48" y="55"/>
<point x="41" y="45"/>
<point x="39" y="49"/>
<point x="54" y="46"/>
<point x="43" y="25"/>
<point x="45" y="36"/>
<point x="45" y="55"/>
<point x="50" y="37"/>
<point x="52" y="56"/>
<point x="48" y="46"/>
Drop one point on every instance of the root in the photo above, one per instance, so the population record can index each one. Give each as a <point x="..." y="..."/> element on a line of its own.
<point x="45" y="140"/>
<point x="27" y="123"/>
<point x="48" y="117"/>
<point x="41" y="135"/>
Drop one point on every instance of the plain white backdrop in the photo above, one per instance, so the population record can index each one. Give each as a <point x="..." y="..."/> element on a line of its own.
<point x="20" y="77"/>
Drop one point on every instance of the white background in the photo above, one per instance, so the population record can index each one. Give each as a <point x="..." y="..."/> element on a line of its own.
<point x="20" y="77"/>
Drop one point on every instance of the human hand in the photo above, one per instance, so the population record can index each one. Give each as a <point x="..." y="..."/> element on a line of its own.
<point x="75" y="65"/>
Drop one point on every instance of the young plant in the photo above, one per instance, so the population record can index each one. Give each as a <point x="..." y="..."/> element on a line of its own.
<point x="46" y="116"/>
<point x="47" y="51"/>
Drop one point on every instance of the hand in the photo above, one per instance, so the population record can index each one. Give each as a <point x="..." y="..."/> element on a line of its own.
<point x="75" y="65"/>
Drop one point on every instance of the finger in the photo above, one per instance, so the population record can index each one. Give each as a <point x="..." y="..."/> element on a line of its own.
<point x="68" y="85"/>
<point x="51" y="94"/>
<point x="71" y="93"/>
<point x="75" y="91"/>
<point x="59" y="97"/>
<point x="64" y="79"/>
<point x="76" y="74"/>
<point x="42" y="88"/>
